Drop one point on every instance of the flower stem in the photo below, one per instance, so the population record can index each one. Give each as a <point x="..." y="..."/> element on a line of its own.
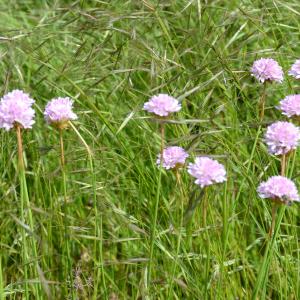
<point x="262" y="102"/>
<point x="21" y="170"/>
<point x="62" y="151"/>
<point x="98" y="250"/>
<point x="182" y="196"/>
<point x="25" y="204"/>
<point x="157" y="197"/>
<point x="20" y="148"/>
<point x="275" y="205"/>
<point x="162" y="136"/>
<point x="283" y="165"/>
<point x="262" y="277"/>
<point x="68" y="266"/>
<point x="205" y="204"/>
<point x="274" y="210"/>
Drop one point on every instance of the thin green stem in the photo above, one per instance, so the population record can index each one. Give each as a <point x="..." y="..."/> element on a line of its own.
<point x="25" y="205"/>
<point x="162" y="136"/>
<point x="275" y="226"/>
<point x="181" y="201"/>
<point x="275" y="205"/>
<point x="67" y="254"/>
<point x="1" y="281"/>
<point x="204" y="211"/>
<point x="264" y="269"/>
<point x="98" y="246"/>
<point x="157" y="197"/>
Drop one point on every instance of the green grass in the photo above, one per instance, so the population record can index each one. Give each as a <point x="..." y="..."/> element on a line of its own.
<point x="110" y="57"/>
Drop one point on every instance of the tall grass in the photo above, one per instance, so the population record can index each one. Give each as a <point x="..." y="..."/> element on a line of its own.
<point x="110" y="57"/>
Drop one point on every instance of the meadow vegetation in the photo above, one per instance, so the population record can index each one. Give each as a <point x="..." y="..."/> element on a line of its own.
<point x="110" y="57"/>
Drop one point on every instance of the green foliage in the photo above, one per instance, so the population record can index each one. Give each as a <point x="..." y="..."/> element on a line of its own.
<point x="110" y="57"/>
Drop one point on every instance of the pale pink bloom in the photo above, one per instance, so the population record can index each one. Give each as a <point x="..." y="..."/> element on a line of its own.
<point x="278" y="188"/>
<point x="162" y="105"/>
<point x="290" y="106"/>
<point x="16" y="108"/>
<point x="267" y="69"/>
<point x="59" y="110"/>
<point x="295" y="69"/>
<point x="282" y="137"/>
<point x="172" y="157"/>
<point x="207" y="171"/>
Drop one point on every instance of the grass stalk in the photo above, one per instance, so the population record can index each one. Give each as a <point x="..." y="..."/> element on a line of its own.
<point x="66" y="247"/>
<point x="273" y="232"/>
<point x="157" y="197"/>
<point x="25" y="206"/>
<point x="98" y="231"/>
<point x="1" y="281"/>
<point x="179" y="185"/>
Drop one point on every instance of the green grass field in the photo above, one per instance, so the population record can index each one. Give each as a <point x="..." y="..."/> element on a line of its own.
<point x="110" y="57"/>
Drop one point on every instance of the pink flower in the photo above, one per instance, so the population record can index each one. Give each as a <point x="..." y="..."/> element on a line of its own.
<point x="290" y="105"/>
<point x="207" y="171"/>
<point x="282" y="137"/>
<point x="295" y="69"/>
<point x="172" y="157"/>
<point x="278" y="188"/>
<point x="265" y="69"/>
<point x="162" y="105"/>
<point x="16" y="108"/>
<point x="59" y="111"/>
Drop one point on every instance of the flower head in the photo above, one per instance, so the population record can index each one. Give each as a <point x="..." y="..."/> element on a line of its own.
<point x="290" y="106"/>
<point x="59" y="111"/>
<point x="265" y="69"/>
<point x="172" y="157"/>
<point x="278" y="188"/>
<point x="16" y="108"/>
<point x="282" y="137"/>
<point x="207" y="171"/>
<point x="295" y="69"/>
<point x="162" y="105"/>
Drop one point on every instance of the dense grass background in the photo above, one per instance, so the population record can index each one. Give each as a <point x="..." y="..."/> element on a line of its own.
<point x="110" y="57"/>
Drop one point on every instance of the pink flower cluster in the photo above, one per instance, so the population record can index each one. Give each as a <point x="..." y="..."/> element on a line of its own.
<point x="267" y="69"/>
<point x="162" y="105"/>
<point x="59" y="110"/>
<point x="295" y="69"/>
<point x="278" y="188"/>
<point x="207" y="171"/>
<point x="282" y="137"/>
<point x="290" y="106"/>
<point x="16" y="108"/>
<point x="173" y="157"/>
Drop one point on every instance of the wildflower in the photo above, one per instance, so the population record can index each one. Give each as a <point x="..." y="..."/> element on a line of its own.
<point x="16" y="109"/>
<point x="278" y="188"/>
<point x="162" y="105"/>
<point x="173" y="157"/>
<point x="207" y="171"/>
<point x="295" y="69"/>
<point x="267" y="69"/>
<point x="290" y="106"/>
<point x="282" y="137"/>
<point x="59" y="111"/>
